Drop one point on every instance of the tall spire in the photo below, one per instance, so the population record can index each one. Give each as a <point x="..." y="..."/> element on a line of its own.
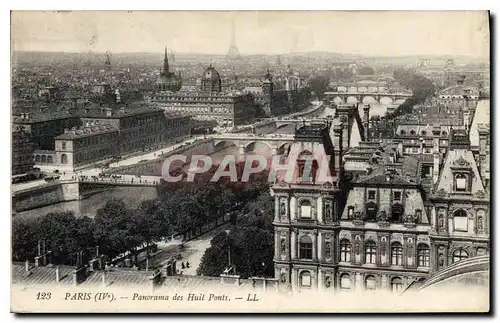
<point x="165" y="63"/>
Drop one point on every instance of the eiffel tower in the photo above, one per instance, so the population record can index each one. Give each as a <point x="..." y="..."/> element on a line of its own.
<point x="233" y="52"/>
<point x="107" y="62"/>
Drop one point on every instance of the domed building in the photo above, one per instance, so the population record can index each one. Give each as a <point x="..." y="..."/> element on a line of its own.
<point x="168" y="81"/>
<point x="228" y="108"/>
<point x="211" y="81"/>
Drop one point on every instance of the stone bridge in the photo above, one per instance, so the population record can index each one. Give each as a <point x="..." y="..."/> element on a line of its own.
<point x="361" y="97"/>
<point x="277" y="143"/>
<point x="122" y="180"/>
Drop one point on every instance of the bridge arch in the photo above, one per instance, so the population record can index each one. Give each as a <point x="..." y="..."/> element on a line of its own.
<point x="362" y="89"/>
<point x="341" y="89"/>
<point x="352" y="89"/>
<point x="221" y="144"/>
<point x="373" y="89"/>
<point x="338" y="100"/>
<point x="250" y="146"/>
<point x="369" y="99"/>
<point x="351" y="100"/>
<point x="386" y="100"/>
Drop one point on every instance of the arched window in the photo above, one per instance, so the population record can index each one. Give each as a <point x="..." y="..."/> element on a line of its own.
<point x="345" y="250"/>
<point x="64" y="159"/>
<point x="49" y="160"/>
<point x="424" y="132"/>
<point x="44" y="159"/>
<point x="37" y="158"/>
<point x="370" y="252"/>
<point x="423" y="255"/>
<point x="370" y="283"/>
<point x="345" y="281"/>
<point x="412" y="132"/>
<point x="305" y="247"/>
<point x="305" y="209"/>
<point x="397" y="254"/>
<point x="305" y="279"/>
<point x="396" y="285"/>
<point x="460" y="221"/>
<point x="460" y="254"/>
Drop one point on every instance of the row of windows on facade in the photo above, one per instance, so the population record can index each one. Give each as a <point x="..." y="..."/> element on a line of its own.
<point x="191" y="109"/>
<point x="345" y="281"/>
<point x="423" y="252"/>
<point x="423" y="133"/>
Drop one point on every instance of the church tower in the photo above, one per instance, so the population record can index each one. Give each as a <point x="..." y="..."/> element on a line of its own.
<point x="166" y="68"/>
<point x="267" y="90"/>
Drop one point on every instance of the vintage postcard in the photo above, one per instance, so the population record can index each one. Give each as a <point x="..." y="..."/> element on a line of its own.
<point x="250" y="161"/>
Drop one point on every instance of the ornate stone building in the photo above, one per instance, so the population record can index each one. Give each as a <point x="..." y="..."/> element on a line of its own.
<point x="383" y="241"/>
<point x="209" y="103"/>
<point x="461" y="203"/>
<point x="307" y="210"/>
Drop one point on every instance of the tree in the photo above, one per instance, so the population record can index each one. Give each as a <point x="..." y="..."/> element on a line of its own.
<point x="24" y="239"/>
<point x="251" y="242"/>
<point x="366" y="70"/>
<point x="113" y="226"/>
<point x="319" y="84"/>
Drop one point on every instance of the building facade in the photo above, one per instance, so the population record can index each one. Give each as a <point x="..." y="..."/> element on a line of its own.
<point x="209" y="103"/>
<point x="22" y="151"/>
<point x="307" y="211"/>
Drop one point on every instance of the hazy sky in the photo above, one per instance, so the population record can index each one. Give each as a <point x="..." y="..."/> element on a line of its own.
<point x="262" y="32"/>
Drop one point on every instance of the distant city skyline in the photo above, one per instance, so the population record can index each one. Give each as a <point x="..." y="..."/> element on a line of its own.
<point x="385" y="33"/>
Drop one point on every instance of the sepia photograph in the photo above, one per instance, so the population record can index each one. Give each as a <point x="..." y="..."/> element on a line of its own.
<point x="250" y="161"/>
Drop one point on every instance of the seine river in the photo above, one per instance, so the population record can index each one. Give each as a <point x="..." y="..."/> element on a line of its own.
<point x="132" y="196"/>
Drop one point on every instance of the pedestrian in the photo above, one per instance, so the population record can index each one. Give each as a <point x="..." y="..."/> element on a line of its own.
<point x="187" y="264"/>
<point x="182" y="265"/>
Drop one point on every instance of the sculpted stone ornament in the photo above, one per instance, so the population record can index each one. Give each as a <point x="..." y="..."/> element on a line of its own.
<point x="441" y="193"/>
<point x="283" y="278"/>
<point x="328" y="250"/>
<point x="410" y="220"/>
<point x="461" y="162"/>
<point x="328" y="282"/>
<point x="382" y="218"/>
<point x="283" y="246"/>
<point x="358" y="218"/>
<point x="481" y="194"/>
<point x="357" y="245"/>
<point x="328" y="212"/>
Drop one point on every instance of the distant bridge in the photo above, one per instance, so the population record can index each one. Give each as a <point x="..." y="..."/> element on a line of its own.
<point x="125" y="180"/>
<point x="277" y="143"/>
<point x="361" y="96"/>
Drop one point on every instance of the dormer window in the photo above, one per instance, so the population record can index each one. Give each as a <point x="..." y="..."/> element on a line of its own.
<point x="397" y="196"/>
<point x="350" y="212"/>
<point x="461" y="183"/>
<point x="371" y="194"/>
